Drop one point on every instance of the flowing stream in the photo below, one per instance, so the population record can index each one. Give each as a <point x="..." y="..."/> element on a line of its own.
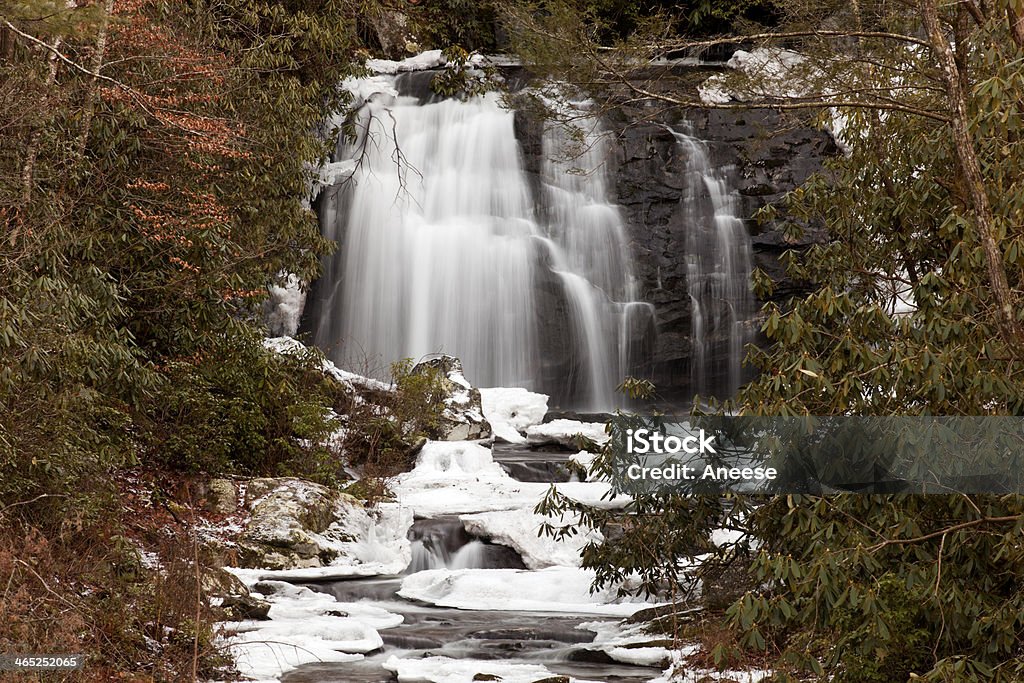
<point x="550" y="639"/>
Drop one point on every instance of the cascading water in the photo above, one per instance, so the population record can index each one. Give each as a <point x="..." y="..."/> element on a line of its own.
<point x="442" y="248"/>
<point x="718" y="267"/>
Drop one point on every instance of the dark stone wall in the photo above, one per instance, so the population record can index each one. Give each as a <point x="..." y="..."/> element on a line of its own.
<point x="766" y="154"/>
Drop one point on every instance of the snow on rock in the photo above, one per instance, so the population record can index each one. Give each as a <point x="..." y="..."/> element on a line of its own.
<point x="774" y="72"/>
<point x="430" y="59"/>
<point x="554" y="589"/>
<point x="303" y="627"/>
<point x="300" y="529"/>
<point x="564" y="432"/>
<point x="365" y="89"/>
<point x="585" y="460"/>
<point x="461" y="477"/>
<point x="463" y="416"/>
<point x="511" y="411"/>
<point x="284" y="306"/>
<point x="518" y="529"/>
<point x="627" y="643"/>
<point x="288" y="345"/>
<point x="447" y="670"/>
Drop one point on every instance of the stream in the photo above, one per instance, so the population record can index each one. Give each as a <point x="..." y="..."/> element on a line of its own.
<point x="551" y="639"/>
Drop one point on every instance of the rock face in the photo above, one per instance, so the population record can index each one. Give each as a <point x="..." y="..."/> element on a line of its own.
<point x="463" y="417"/>
<point x="767" y="154"/>
<point x="293" y="524"/>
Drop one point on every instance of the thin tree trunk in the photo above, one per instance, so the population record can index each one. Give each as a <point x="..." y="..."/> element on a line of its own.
<point x="973" y="179"/>
<point x="90" y="96"/>
<point x="28" y="169"/>
<point x="1016" y="26"/>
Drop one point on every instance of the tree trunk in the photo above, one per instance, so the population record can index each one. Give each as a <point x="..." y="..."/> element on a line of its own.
<point x="90" y="96"/>
<point x="28" y="169"/>
<point x="967" y="158"/>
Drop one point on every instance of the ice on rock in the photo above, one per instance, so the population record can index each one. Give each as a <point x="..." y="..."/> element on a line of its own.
<point x="564" y="432"/>
<point x="555" y="589"/>
<point x="461" y="477"/>
<point x="511" y="411"/>
<point x="303" y="627"/>
<point x="518" y="529"/>
<point x="284" y="306"/>
<point x="446" y="670"/>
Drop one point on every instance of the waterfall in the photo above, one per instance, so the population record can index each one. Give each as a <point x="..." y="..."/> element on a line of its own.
<point x="444" y="247"/>
<point x="718" y="267"/>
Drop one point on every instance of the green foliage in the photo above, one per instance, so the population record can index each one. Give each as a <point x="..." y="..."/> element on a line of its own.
<point x="146" y="215"/>
<point x="383" y="435"/>
<point x="467" y="23"/>
<point x="246" y="410"/>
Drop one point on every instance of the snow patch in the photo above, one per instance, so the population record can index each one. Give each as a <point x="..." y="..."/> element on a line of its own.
<point x="511" y="411"/>
<point x="564" y="432"/>
<point x="430" y="59"/>
<point x="286" y="344"/>
<point x="446" y="670"/>
<point x="518" y="529"/>
<point x="554" y="589"/>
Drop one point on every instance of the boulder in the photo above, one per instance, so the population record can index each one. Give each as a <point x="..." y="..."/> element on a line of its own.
<point x="221" y="496"/>
<point x="293" y="524"/>
<point x="226" y="590"/>
<point x="463" y="416"/>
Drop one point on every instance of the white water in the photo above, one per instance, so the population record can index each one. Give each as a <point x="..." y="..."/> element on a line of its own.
<point x="718" y="267"/>
<point x="442" y="246"/>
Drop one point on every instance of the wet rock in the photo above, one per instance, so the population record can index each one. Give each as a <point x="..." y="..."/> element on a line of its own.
<point x="591" y="656"/>
<point x="767" y="153"/>
<point x="486" y="677"/>
<point x="463" y="417"/>
<point x="554" y="679"/>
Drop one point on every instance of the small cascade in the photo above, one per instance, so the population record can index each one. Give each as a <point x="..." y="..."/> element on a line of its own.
<point x="718" y="267"/>
<point x="444" y="248"/>
<point x="443" y="543"/>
